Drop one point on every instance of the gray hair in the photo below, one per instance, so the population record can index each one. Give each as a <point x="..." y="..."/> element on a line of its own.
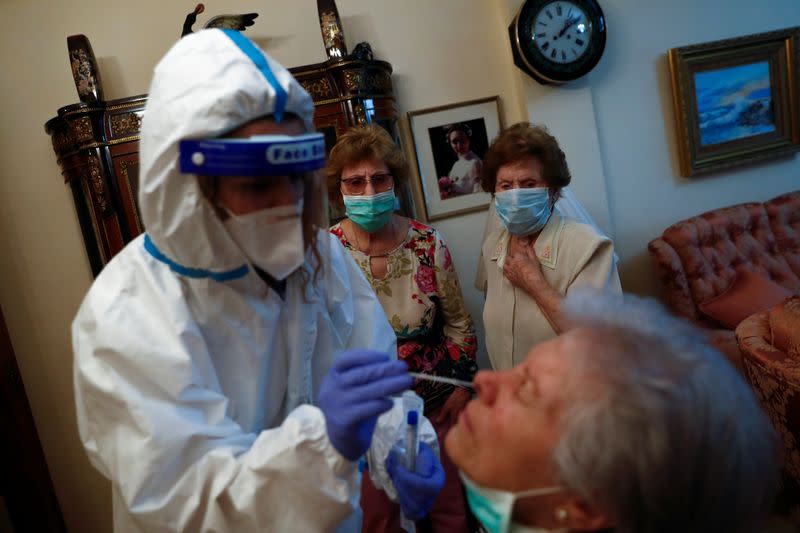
<point x="670" y="437"/>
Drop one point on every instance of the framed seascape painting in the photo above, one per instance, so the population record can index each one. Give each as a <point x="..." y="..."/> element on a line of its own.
<point x="736" y="101"/>
<point x="450" y="142"/>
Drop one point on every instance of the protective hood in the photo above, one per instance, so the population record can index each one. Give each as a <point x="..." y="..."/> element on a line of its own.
<point x="209" y="83"/>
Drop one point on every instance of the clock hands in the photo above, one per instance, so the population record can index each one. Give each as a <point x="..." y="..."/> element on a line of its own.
<point x="568" y="24"/>
<point x="557" y="41"/>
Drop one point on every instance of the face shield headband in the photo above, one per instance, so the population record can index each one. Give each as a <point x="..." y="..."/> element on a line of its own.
<point x="260" y="155"/>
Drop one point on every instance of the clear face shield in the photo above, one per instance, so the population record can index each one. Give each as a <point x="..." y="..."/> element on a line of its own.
<point x="263" y="158"/>
<point x="257" y="156"/>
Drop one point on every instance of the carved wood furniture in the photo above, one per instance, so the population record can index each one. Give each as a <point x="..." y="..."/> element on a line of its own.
<point x="349" y="92"/>
<point x="97" y="148"/>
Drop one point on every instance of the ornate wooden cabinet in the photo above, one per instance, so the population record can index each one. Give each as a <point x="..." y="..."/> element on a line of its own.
<point x="97" y="149"/>
<point x="349" y="92"/>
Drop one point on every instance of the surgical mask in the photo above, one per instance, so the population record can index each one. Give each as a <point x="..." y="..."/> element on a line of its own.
<point x="370" y="213"/>
<point x="523" y="211"/>
<point x="494" y="507"/>
<point x="271" y="238"/>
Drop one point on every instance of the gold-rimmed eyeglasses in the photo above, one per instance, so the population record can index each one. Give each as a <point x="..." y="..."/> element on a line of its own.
<point x="356" y="185"/>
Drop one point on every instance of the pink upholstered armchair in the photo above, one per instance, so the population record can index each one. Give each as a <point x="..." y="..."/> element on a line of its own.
<point x="708" y="263"/>
<point x="770" y="346"/>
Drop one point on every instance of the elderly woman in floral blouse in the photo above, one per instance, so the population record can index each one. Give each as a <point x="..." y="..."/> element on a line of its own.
<point x="410" y="268"/>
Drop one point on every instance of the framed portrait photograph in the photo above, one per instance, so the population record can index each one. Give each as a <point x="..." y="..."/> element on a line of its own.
<point x="736" y="100"/>
<point x="449" y="143"/>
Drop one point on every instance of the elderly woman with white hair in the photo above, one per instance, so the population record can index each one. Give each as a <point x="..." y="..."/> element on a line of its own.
<point x="627" y="422"/>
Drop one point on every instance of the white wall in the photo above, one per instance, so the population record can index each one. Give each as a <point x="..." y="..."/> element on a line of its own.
<point x="636" y="126"/>
<point x="616" y="127"/>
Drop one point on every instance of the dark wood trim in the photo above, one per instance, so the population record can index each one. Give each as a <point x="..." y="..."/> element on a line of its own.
<point x="25" y="483"/>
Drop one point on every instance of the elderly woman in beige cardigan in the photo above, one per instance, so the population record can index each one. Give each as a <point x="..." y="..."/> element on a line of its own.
<point x="535" y="255"/>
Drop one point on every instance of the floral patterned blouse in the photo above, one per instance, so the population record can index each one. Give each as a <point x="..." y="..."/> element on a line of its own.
<point x="422" y="298"/>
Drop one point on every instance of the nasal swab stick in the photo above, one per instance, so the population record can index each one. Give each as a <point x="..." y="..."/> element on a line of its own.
<point x="438" y="379"/>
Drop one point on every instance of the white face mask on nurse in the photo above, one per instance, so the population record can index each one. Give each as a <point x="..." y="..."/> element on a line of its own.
<point x="256" y="209"/>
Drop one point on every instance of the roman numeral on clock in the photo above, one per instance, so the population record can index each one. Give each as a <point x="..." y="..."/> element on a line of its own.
<point x="579" y="42"/>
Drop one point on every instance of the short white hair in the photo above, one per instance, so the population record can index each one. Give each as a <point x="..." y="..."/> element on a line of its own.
<point x="667" y="436"/>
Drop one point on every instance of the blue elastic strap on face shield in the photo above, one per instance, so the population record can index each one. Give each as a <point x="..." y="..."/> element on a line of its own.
<point x="261" y="155"/>
<point x="257" y="57"/>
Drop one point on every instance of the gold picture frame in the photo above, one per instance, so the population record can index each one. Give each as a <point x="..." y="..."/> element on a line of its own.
<point x="439" y="168"/>
<point x="736" y="101"/>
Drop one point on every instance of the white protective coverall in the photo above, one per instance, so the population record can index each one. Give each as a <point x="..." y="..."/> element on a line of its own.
<point x="193" y="379"/>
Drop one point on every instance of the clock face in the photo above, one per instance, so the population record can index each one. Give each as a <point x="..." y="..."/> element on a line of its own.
<point x="562" y="31"/>
<point x="555" y="41"/>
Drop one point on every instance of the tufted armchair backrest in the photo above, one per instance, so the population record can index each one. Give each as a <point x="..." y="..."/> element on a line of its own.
<point x="784" y="219"/>
<point x="697" y="258"/>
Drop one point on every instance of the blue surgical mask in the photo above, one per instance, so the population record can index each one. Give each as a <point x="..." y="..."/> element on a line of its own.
<point x="494" y="507"/>
<point x="523" y="211"/>
<point x="370" y="213"/>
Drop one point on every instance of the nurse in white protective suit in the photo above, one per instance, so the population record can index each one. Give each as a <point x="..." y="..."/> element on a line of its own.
<point x="231" y="363"/>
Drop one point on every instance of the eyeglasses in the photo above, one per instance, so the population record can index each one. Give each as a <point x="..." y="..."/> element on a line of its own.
<point x="355" y="185"/>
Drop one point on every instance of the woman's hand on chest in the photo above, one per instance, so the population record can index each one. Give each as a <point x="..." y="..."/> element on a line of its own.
<point x="521" y="266"/>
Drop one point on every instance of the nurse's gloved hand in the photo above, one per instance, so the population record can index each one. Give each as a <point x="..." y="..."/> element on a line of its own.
<point x="416" y="490"/>
<point x="354" y="393"/>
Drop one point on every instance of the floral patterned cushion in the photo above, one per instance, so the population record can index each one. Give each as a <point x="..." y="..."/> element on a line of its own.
<point x="784" y="325"/>
<point x="748" y="294"/>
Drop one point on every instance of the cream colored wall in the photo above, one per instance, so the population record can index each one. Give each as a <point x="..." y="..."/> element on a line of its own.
<point x="43" y="268"/>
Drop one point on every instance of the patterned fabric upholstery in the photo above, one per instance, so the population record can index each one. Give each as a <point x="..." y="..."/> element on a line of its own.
<point x="770" y="346"/>
<point x="784" y="219"/>
<point x="673" y="279"/>
<point x="696" y="259"/>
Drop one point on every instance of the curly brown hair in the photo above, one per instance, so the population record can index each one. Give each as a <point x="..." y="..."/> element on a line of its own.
<point x="359" y="144"/>
<point x="520" y="141"/>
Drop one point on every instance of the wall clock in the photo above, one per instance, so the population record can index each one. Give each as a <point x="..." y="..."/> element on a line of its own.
<point x="555" y="41"/>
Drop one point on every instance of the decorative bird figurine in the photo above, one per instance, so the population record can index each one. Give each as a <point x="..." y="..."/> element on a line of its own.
<point x="232" y="22"/>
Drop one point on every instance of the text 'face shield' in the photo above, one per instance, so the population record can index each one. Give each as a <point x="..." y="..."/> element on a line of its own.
<point x="259" y="155"/>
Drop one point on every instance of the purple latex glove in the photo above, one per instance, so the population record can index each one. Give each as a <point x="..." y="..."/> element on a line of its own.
<point x="354" y="393"/>
<point x="416" y="490"/>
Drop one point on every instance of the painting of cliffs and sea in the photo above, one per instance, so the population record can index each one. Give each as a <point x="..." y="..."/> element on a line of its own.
<point x="734" y="103"/>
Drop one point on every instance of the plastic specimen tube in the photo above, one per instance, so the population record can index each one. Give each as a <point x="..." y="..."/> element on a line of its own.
<point x="412" y="435"/>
